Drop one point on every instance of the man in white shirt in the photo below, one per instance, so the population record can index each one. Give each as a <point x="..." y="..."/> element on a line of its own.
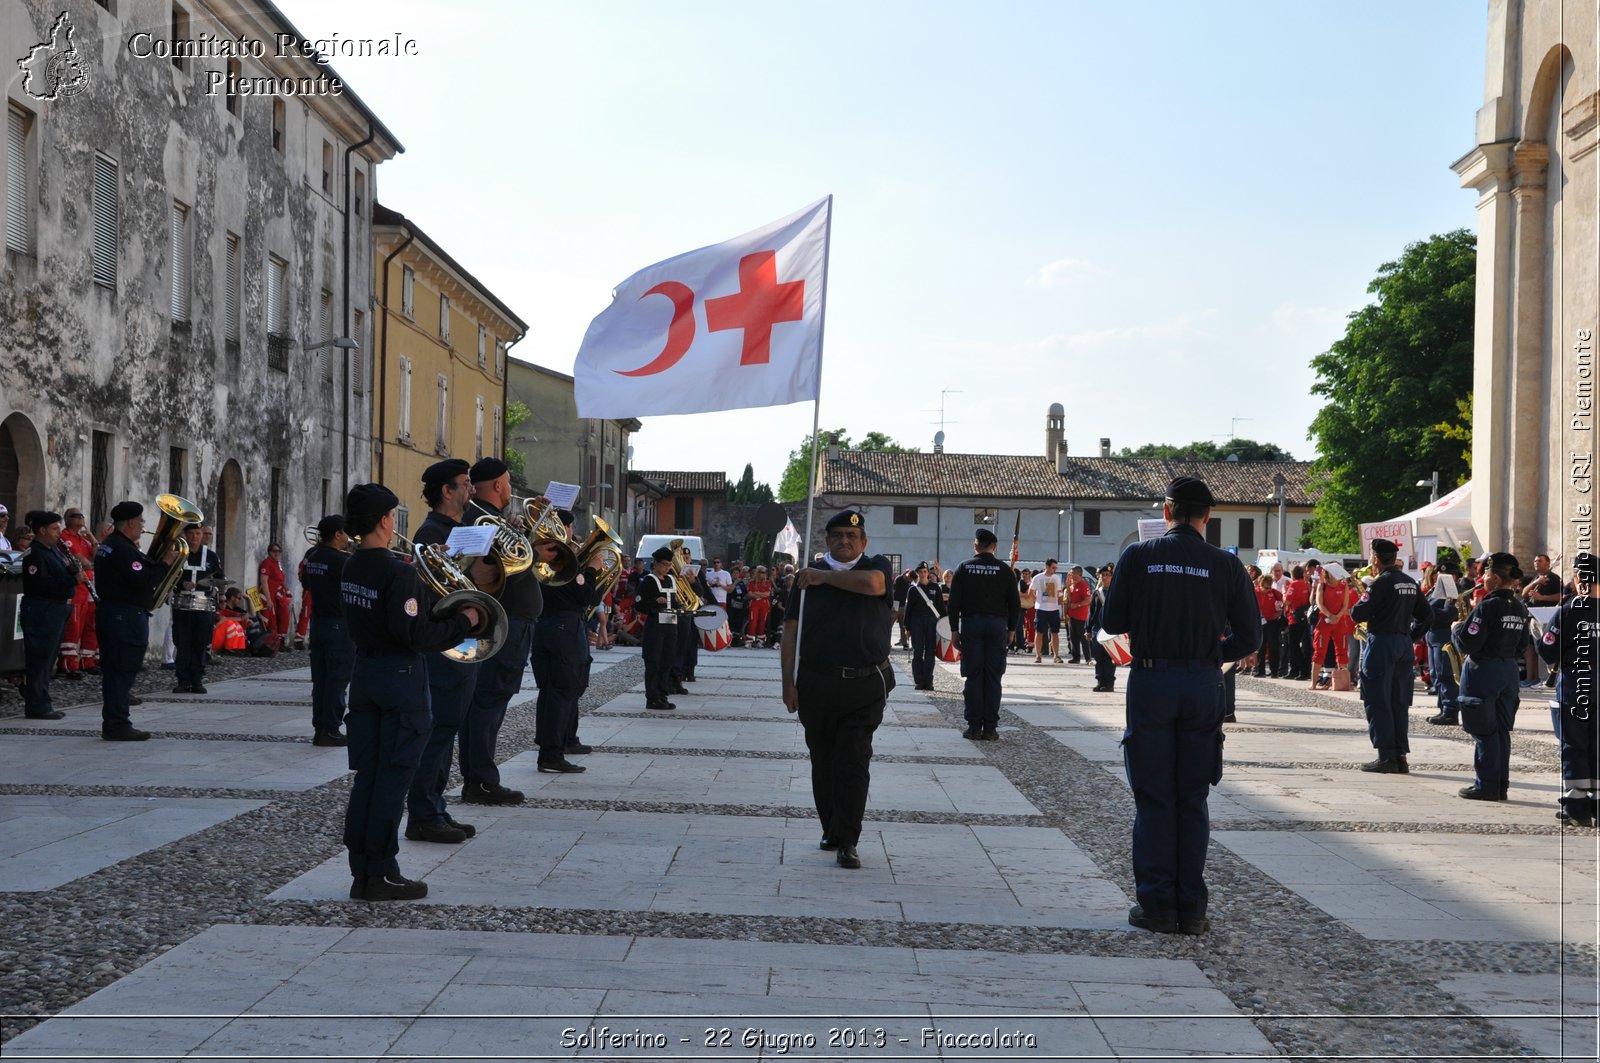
<point x="720" y="583"/>
<point x="1047" y="612"/>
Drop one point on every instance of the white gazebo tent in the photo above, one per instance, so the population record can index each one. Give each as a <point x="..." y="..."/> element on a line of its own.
<point x="1449" y="518"/>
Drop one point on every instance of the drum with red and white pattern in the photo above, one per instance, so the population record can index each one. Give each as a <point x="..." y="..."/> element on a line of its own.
<point x="714" y="631"/>
<point x="947" y="651"/>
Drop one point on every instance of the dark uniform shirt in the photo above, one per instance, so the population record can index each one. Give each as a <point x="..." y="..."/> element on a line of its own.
<point x="1496" y="630"/>
<point x="931" y="598"/>
<point x="387" y="610"/>
<point x="984" y="585"/>
<point x="1393" y="605"/>
<point x="1176" y="596"/>
<point x="123" y="576"/>
<point x="574" y="597"/>
<point x="523" y="595"/>
<point x="202" y="564"/>
<point x="46" y="574"/>
<point x="844" y="629"/>
<point x="324" y="572"/>
<point x="656" y="596"/>
<point x="1570" y="642"/>
<point x="902" y="587"/>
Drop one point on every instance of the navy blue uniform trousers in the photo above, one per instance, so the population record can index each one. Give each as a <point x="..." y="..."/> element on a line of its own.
<point x="43" y="621"/>
<point x="983" y="662"/>
<point x="560" y="660"/>
<point x="124" y="632"/>
<point x="1172" y="751"/>
<point x="388" y="727"/>
<point x="924" y="630"/>
<point x="499" y="679"/>
<point x="839" y="716"/>
<point x="1386" y="693"/>
<point x="1439" y="668"/>
<point x="191" y="641"/>
<point x="450" y="686"/>
<point x="1579" y="738"/>
<point x="333" y="657"/>
<point x="1489" y="690"/>
<point x="660" y="651"/>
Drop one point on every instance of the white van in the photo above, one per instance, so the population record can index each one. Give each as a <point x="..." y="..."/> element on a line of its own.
<point x="649" y="544"/>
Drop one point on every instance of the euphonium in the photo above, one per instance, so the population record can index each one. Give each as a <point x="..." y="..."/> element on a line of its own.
<point x="686" y="595"/>
<point x="547" y="536"/>
<point x="1451" y="654"/>
<point x="176" y="514"/>
<point x="510" y="548"/>
<point x="601" y="550"/>
<point x="455" y="590"/>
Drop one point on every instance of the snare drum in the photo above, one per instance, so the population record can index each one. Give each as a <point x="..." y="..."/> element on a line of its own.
<point x="1116" y="647"/>
<point x="193" y="602"/>
<point x="947" y="651"/>
<point x="714" y="631"/>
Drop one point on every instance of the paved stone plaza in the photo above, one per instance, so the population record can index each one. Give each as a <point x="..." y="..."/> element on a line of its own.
<point x="187" y="896"/>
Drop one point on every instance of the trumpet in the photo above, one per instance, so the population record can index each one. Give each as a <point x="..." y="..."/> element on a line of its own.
<point x="455" y="590"/>
<point x="553" y="560"/>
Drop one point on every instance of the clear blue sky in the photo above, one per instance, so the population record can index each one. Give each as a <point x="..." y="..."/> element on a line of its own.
<point x="1155" y="213"/>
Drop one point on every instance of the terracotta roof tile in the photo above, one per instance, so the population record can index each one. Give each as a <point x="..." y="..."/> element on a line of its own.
<point x="686" y="483"/>
<point x="1001" y="476"/>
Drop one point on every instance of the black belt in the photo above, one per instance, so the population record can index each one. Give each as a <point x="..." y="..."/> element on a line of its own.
<point x="388" y="652"/>
<point x="845" y="673"/>
<point x="1174" y="664"/>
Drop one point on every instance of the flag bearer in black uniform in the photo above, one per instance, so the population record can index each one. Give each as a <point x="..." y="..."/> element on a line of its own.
<point x="561" y="667"/>
<point x="1176" y="597"/>
<point x="446" y="486"/>
<point x="1569" y="641"/>
<point x="332" y="653"/>
<point x="191" y="628"/>
<point x="126" y="583"/>
<point x="838" y="622"/>
<point x="657" y="600"/>
<point x="924" y="605"/>
<point x="48" y="584"/>
<point x="500" y="677"/>
<point x="389" y="618"/>
<point x="1396" y="614"/>
<point x="1491" y="643"/>
<point x="984" y="608"/>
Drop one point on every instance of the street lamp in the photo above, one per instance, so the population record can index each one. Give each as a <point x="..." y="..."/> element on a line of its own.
<point x="1433" y="485"/>
<point x="1059" y="514"/>
<point x="343" y="343"/>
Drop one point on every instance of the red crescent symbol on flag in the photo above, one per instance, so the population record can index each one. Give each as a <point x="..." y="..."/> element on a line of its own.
<point x="680" y="334"/>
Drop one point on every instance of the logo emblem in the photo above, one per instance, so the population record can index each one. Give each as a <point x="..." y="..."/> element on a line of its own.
<point x="53" y="69"/>
<point x="1549" y="638"/>
<point x="138" y="566"/>
<point x="33" y="570"/>
<point x="1472" y="628"/>
<point x="411" y="607"/>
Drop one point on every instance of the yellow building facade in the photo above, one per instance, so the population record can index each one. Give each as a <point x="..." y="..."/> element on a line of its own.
<point x="439" y="346"/>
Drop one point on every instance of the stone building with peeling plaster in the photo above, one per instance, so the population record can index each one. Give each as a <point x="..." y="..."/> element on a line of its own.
<point x="174" y="257"/>
<point x="1536" y="168"/>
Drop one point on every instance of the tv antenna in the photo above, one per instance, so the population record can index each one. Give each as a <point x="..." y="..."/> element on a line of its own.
<point x="942" y="421"/>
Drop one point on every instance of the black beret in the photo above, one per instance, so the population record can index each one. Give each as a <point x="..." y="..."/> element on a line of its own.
<point x="923" y="566"/>
<point x="1384" y="548"/>
<point x="442" y="472"/>
<point x="1585" y="566"/>
<point x="126" y="511"/>
<point x="1190" y="491"/>
<point x="564" y="516"/>
<point x="846" y="518"/>
<point x="370" y="500"/>
<point x="42" y="518"/>
<point x="661" y="554"/>
<point x="330" y="525"/>
<point x="984" y="536"/>
<point x="488" y="469"/>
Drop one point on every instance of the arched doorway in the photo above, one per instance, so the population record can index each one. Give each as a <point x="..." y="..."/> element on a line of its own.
<point x="230" y="521"/>
<point x="22" y="485"/>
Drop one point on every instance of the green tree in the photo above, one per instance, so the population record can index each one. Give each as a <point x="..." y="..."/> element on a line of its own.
<point x="1206" y="450"/>
<point x="1394" y="385"/>
<point x="747" y="490"/>
<point x="515" y="460"/>
<point x="796" y="482"/>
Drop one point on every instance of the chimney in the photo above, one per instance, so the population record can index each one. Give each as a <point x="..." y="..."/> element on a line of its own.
<point x="1054" y="430"/>
<point x="832" y="450"/>
<point x="1061" y="458"/>
<point x="1105" y="446"/>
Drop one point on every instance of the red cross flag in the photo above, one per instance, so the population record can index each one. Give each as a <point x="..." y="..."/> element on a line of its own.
<point x="728" y="327"/>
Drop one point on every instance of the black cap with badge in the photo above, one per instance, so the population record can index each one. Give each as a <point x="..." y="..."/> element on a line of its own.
<point x="1190" y="491"/>
<point x="662" y="553"/>
<point x="984" y="537"/>
<point x="846" y="518"/>
<point x="1384" y="549"/>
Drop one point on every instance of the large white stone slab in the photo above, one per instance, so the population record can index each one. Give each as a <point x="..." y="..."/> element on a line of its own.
<point x="1290" y="747"/>
<point x="48" y="840"/>
<point x="69" y="760"/>
<point x="766" y="707"/>
<point x="668" y="731"/>
<point x="1556" y="1015"/>
<point x="639" y="861"/>
<point x="332" y="992"/>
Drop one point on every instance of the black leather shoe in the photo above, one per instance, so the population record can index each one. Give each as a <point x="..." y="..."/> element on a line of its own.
<point x="198" y="689"/>
<point x="358" y="887"/>
<point x="975" y="733"/>
<point x="561" y="767"/>
<point x="828" y="843"/>
<point x="1194" y="924"/>
<point x="1472" y="793"/>
<point x="1401" y="763"/>
<point x="384" y="888"/>
<point x="1164" y="923"/>
<point x="577" y="749"/>
<point x="990" y="735"/>
<point x="660" y="706"/>
<point x="330" y="738"/>
<point x="465" y="828"/>
<point x="183" y="688"/>
<point x="1445" y="719"/>
<point x="1382" y="766"/>
<point x="129" y="734"/>
<point x="135" y="699"/>
<point x="689" y="678"/>
<point x="679" y="689"/>
<point x="477" y="793"/>
<point x="51" y="715"/>
<point x="846" y="857"/>
<point x="431" y="831"/>
<point x="1577" y="819"/>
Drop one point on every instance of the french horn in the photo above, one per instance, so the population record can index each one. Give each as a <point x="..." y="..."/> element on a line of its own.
<point x="455" y="591"/>
<point x="547" y="536"/>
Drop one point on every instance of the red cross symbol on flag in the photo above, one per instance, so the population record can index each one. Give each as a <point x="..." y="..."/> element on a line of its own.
<point x="762" y="295"/>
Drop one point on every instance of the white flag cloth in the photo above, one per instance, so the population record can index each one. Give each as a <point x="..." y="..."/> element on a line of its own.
<point x="787" y="541"/>
<point x="727" y="327"/>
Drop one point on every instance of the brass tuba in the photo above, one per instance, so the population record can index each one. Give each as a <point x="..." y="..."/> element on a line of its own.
<point x="687" y="597"/>
<point x="547" y="535"/>
<point x="176" y="514"/>
<point x="444" y="578"/>
<point x="601" y="550"/>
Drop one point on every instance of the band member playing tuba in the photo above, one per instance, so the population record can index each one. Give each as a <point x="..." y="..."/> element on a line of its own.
<point x="126" y="581"/>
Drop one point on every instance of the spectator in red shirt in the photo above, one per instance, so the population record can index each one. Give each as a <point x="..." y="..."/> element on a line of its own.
<point x="1079" y="597"/>
<point x="274" y="591"/>
<point x="1271" y="603"/>
<point x="1297" y="631"/>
